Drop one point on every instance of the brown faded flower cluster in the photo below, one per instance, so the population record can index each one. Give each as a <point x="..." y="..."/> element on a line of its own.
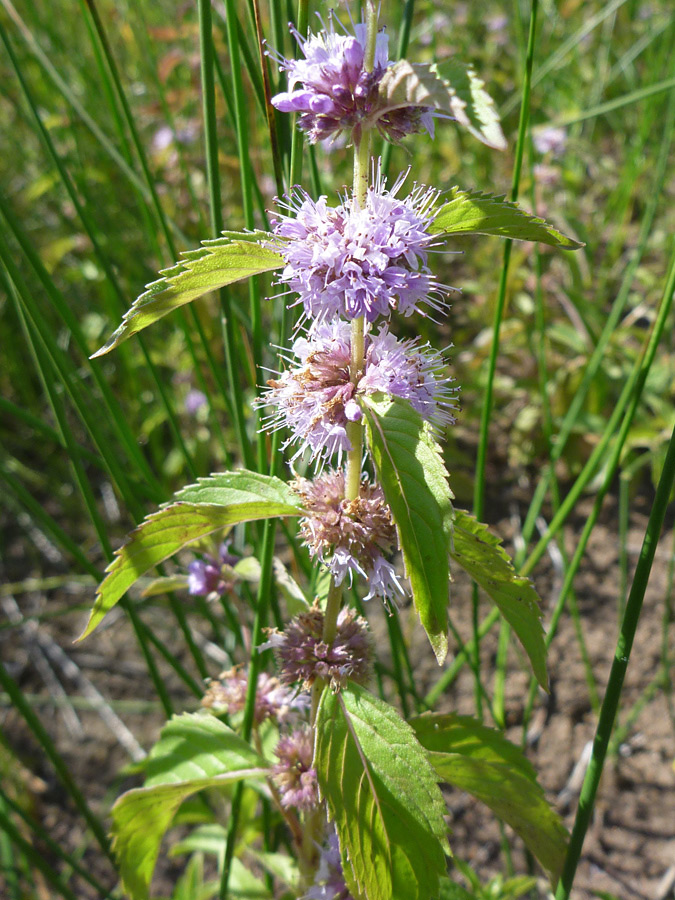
<point x="349" y="536"/>
<point x="303" y="655"/>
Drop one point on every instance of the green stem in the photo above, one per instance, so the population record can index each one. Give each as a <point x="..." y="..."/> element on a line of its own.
<point x="616" y="678"/>
<point x="479" y="487"/>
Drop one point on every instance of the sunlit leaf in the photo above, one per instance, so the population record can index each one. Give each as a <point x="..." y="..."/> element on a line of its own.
<point x="215" y="264"/>
<point x="473" y="212"/>
<point x="410" y="469"/>
<point x="200" y="510"/>
<point x="382" y="795"/>
<point x="479" y="553"/>
<point x="451" y="88"/>
<point x="194" y="752"/>
<point x="480" y="760"/>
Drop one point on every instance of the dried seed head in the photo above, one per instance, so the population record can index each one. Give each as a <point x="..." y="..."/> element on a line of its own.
<point x="303" y="655"/>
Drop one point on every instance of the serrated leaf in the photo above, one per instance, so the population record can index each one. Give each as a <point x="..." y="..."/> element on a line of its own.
<point x="479" y="553"/>
<point x="197" y="745"/>
<point x="470" y="103"/>
<point x="201" y="509"/>
<point x="481" y="761"/>
<point x="451" y="88"/>
<point x="215" y="264"/>
<point x="382" y="795"/>
<point x="194" y="752"/>
<point x="473" y="212"/>
<point x="410" y="469"/>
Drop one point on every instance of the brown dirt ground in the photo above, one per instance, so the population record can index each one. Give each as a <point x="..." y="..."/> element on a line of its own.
<point x="630" y="848"/>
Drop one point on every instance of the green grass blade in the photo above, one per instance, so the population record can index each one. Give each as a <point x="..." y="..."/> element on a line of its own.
<point x="619" y="665"/>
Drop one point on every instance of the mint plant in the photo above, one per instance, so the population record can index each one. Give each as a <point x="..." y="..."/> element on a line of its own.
<point x="354" y="783"/>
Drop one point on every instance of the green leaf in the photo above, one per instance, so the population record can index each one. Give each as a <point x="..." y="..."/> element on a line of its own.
<point x="479" y="553"/>
<point x="382" y="795"/>
<point x="473" y="212"/>
<point x="201" y="509"/>
<point x="480" y="760"/>
<point x="194" y="752"/>
<point x="410" y="469"/>
<point x="165" y="584"/>
<point x="451" y="88"/>
<point x="450" y="890"/>
<point x="215" y="264"/>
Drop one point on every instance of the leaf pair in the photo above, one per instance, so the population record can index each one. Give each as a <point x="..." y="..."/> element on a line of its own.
<point x="237" y="256"/>
<point x="379" y="777"/>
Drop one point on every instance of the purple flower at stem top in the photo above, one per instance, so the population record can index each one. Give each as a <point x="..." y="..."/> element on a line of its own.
<point x="360" y="259"/>
<point x="336" y="91"/>
<point x="316" y="399"/>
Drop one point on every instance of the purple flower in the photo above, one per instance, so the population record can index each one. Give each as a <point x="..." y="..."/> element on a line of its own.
<point x="227" y="694"/>
<point x="294" y="775"/>
<point x="194" y="401"/>
<point x="303" y="655"/>
<point x="350" y="536"/>
<point x="550" y="139"/>
<point x="336" y="92"/>
<point x="210" y="575"/>
<point x="317" y="399"/>
<point x="350" y="261"/>
<point x="329" y="881"/>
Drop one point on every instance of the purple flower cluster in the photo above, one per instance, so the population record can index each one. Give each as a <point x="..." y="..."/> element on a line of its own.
<point x="303" y="655"/>
<point x="329" y="881"/>
<point x="227" y="694"/>
<point x="317" y="399"/>
<point x="294" y="775"/>
<point x="354" y="261"/>
<point x="337" y="94"/>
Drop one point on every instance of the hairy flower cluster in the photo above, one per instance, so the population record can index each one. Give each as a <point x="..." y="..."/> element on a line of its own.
<point x="211" y="575"/>
<point x="316" y="399"/>
<point x="349" y="536"/>
<point x="272" y="700"/>
<point x="337" y="94"/>
<point x="353" y="261"/>
<point x="303" y="655"/>
<point x="294" y="775"/>
<point x="329" y="881"/>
